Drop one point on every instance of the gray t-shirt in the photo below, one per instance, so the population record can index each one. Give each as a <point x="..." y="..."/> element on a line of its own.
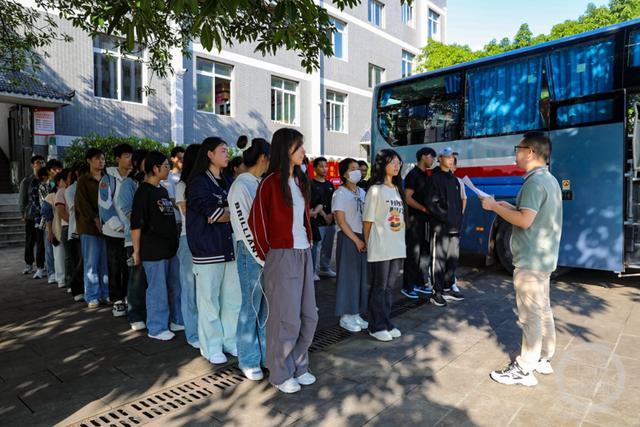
<point x="351" y="204"/>
<point x="537" y="247"/>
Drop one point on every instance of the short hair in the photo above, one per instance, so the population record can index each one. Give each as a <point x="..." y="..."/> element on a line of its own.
<point x="43" y="173"/>
<point x="121" y="149"/>
<point x="343" y="167"/>
<point x="539" y="144"/>
<point x="362" y="163"/>
<point x="93" y="152"/>
<point x="317" y="161"/>
<point x="54" y="163"/>
<point x="62" y="175"/>
<point x="36" y="158"/>
<point x="242" y="142"/>
<point x="176" y="150"/>
<point x="425" y="151"/>
<point x="154" y="158"/>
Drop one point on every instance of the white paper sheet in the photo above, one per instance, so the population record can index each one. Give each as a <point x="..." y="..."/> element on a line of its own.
<point x="473" y="188"/>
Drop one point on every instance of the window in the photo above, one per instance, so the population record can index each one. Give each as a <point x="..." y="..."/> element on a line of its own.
<point x="283" y="100"/>
<point x="117" y="74"/>
<point x="407" y="14"/>
<point x="407" y="64"/>
<point x="335" y="111"/>
<point x="434" y="19"/>
<point x="634" y="49"/>
<point x="376" y="75"/>
<point x="375" y="13"/>
<point x="338" y="39"/>
<point x="213" y="86"/>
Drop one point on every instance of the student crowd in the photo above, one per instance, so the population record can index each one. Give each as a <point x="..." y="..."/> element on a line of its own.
<point x="228" y="250"/>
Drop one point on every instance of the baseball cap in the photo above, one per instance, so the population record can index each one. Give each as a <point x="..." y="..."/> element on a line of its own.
<point x="447" y="151"/>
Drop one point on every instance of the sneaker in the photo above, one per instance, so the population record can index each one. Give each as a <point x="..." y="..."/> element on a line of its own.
<point x="138" y="326"/>
<point x="395" y="333"/>
<point x="327" y="273"/>
<point x="69" y="290"/>
<point x="175" y="327"/>
<point x="195" y="344"/>
<point x="39" y="274"/>
<point x="306" y="379"/>
<point x="289" y="386"/>
<point x="233" y="352"/>
<point x="78" y="298"/>
<point x="381" y="335"/>
<point x="349" y="323"/>
<point x="513" y="374"/>
<point x="410" y="294"/>
<point x="93" y="303"/>
<point x="51" y="280"/>
<point x="119" y="309"/>
<point x="28" y="269"/>
<point x="544" y="367"/>
<point x="162" y="336"/>
<point x="218" y="359"/>
<point x="427" y="290"/>
<point x="316" y="278"/>
<point x="453" y="294"/>
<point x="61" y="285"/>
<point x="254" y="374"/>
<point x="438" y="300"/>
<point x="361" y="322"/>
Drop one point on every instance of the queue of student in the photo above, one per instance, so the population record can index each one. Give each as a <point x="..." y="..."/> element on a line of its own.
<point x="230" y="255"/>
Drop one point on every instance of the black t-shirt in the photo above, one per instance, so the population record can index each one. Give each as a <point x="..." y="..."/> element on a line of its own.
<point x="321" y="194"/>
<point x="418" y="181"/>
<point x="364" y="184"/>
<point x="152" y="213"/>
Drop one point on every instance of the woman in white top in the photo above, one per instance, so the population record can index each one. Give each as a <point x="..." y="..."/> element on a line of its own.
<point x="384" y="232"/>
<point x="188" y="304"/>
<point x="352" y="287"/>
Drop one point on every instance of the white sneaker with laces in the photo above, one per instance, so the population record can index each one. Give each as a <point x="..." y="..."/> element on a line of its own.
<point x="78" y="298"/>
<point x="218" y="359"/>
<point x="138" y="326"/>
<point x="162" y="336"/>
<point x="93" y="304"/>
<point x="289" y="386"/>
<point x="381" y="335"/>
<point x="61" y="285"/>
<point x="316" y="278"/>
<point x="39" y="274"/>
<point x="119" y="309"/>
<point x="455" y="288"/>
<point x="395" y="333"/>
<point x="327" y="273"/>
<point x="361" y="322"/>
<point x="175" y="327"/>
<point x="51" y="280"/>
<point x="544" y="367"/>
<point x="306" y="379"/>
<point x="254" y="374"/>
<point x="28" y="269"/>
<point x="348" y="322"/>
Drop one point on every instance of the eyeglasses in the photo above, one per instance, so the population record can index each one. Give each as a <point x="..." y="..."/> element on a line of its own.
<point x="515" y="148"/>
<point x="395" y="162"/>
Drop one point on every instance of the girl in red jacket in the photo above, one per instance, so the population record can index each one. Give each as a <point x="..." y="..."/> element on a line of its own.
<point x="280" y="224"/>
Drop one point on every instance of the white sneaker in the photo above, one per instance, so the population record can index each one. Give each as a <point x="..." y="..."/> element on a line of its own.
<point x="544" y="367"/>
<point x="61" y="285"/>
<point x="233" y="352"/>
<point x="93" y="304"/>
<point x="162" y="336"/>
<point x="361" y="322"/>
<point x="381" y="335"/>
<point x="327" y="273"/>
<point x="349" y="323"/>
<point x="218" y="359"/>
<point x="195" y="344"/>
<point x="51" y="280"/>
<point x="39" y="274"/>
<point x="455" y="288"/>
<point x="289" y="386"/>
<point x="78" y="298"/>
<point x="316" y="278"/>
<point x="138" y="326"/>
<point x="306" y="379"/>
<point x="254" y="374"/>
<point x="28" y="269"/>
<point x="69" y="290"/>
<point x="395" y="333"/>
<point x="119" y="309"/>
<point x="175" y="327"/>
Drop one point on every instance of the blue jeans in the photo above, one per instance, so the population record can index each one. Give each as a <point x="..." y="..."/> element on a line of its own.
<point x="163" y="294"/>
<point x="188" y="294"/>
<point x="324" y="247"/>
<point x="48" y="257"/>
<point x="252" y="321"/>
<point x="96" y="276"/>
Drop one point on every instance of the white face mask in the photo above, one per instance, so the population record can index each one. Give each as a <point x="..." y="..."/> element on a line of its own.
<point x="303" y="167"/>
<point x="355" y="176"/>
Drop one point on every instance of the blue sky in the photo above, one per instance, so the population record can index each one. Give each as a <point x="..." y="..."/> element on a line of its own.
<point x="476" y="22"/>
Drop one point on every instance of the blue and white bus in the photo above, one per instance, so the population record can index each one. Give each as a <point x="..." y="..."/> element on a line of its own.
<point x="582" y="91"/>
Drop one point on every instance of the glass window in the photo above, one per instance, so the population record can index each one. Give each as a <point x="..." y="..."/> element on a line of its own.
<point x="421" y="112"/>
<point x="407" y="63"/>
<point x="407" y="14"/>
<point x="117" y="74"/>
<point x="376" y="75"/>
<point x="338" y="39"/>
<point x="335" y="111"/>
<point x="213" y="87"/>
<point x="131" y="80"/>
<point x="375" y="13"/>
<point x="434" y="20"/>
<point x="105" y="75"/>
<point x="634" y="49"/>
<point x="283" y="100"/>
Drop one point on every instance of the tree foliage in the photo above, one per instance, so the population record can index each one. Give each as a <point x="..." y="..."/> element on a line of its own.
<point x="76" y="151"/>
<point x="437" y="55"/>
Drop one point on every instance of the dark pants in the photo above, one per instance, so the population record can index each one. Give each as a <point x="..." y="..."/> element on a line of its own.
<point x="416" y="265"/>
<point x="384" y="277"/>
<point x="118" y="269"/>
<point x="136" y="292"/>
<point x="446" y="251"/>
<point x="73" y="268"/>
<point x="34" y="238"/>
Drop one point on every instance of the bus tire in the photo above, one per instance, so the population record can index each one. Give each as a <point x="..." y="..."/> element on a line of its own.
<point x="503" y="245"/>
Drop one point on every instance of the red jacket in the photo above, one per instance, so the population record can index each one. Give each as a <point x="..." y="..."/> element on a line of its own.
<point x="271" y="219"/>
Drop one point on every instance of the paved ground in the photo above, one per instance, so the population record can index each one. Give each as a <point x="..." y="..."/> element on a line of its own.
<point x="61" y="363"/>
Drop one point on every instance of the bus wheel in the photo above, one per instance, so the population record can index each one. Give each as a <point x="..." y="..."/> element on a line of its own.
<point x="503" y="245"/>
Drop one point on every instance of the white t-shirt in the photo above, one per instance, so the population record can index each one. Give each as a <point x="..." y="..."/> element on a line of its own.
<point x="463" y="192"/>
<point x="383" y="207"/>
<point x="69" y="197"/>
<point x="181" y="187"/>
<point x="352" y="204"/>
<point x="170" y="184"/>
<point x="300" y="239"/>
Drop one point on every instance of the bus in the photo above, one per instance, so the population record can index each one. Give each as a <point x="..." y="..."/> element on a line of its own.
<point x="583" y="91"/>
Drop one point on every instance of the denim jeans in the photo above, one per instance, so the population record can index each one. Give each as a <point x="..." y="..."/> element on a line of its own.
<point x="49" y="260"/>
<point x="219" y="298"/>
<point x="188" y="295"/>
<point x="163" y="294"/>
<point x="325" y="248"/>
<point x="252" y="321"/>
<point x="136" y="292"/>
<point x="96" y="279"/>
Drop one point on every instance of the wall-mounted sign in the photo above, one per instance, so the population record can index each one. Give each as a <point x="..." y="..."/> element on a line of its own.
<point x="44" y="122"/>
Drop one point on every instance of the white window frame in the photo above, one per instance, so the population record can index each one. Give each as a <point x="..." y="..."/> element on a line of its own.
<point x="213" y="88"/>
<point x="332" y="104"/>
<point x="407" y="9"/>
<point x="382" y="75"/>
<point x="296" y="119"/>
<point x="117" y="55"/>
<point x="371" y="8"/>
<point x="405" y="61"/>
<point x="344" y="32"/>
<point x="431" y="21"/>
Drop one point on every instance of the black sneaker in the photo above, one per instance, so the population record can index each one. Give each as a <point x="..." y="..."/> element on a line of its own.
<point x="438" y="300"/>
<point x="513" y="374"/>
